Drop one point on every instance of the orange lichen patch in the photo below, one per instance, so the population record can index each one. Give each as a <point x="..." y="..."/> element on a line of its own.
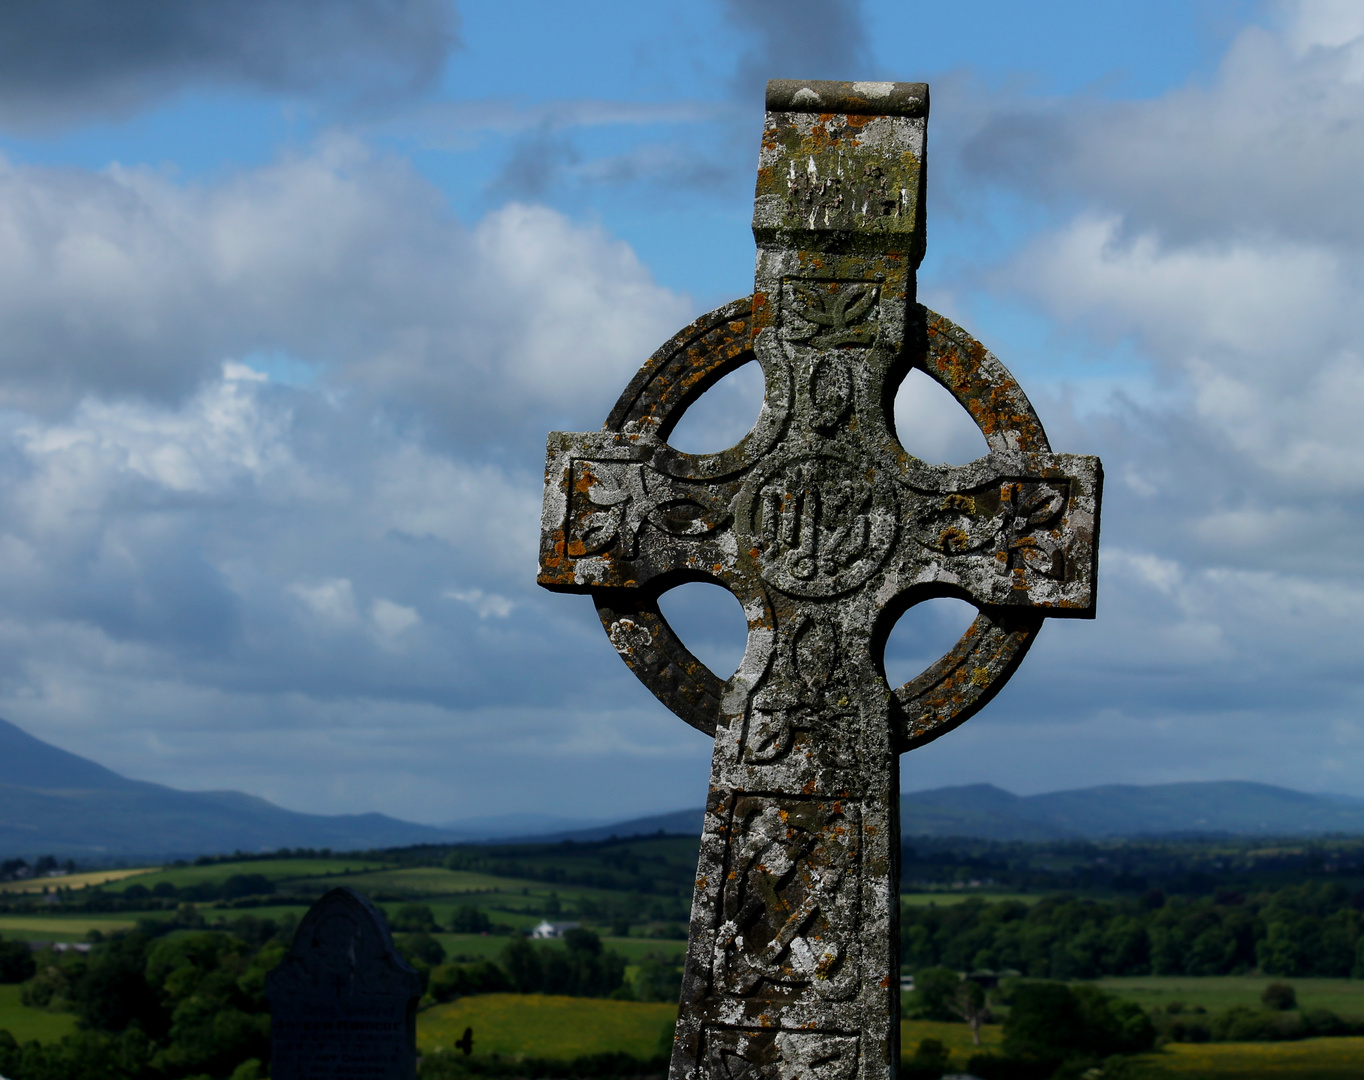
<point x="954" y="539"/>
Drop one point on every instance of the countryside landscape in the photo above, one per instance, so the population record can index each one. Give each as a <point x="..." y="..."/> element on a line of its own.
<point x="552" y="541"/>
<point x="1221" y="949"/>
<point x="1189" y="934"/>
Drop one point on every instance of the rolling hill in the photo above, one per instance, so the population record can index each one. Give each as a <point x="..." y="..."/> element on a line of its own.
<point x="55" y="802"/>
<point x="983" y="811"/>
<point x="1232" y="807"/>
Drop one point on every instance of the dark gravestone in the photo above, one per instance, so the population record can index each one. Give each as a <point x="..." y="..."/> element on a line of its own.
<point x="343" y="1003"/>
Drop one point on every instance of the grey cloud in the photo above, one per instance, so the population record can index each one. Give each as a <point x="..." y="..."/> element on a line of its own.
<point x="1272" y="147"/>
<point x="70" y="60"/>
<point x="536" y="166"/>
<point x="127" y="285"/>
<point x="184" y="539"/>
<point x="799" y="39"/>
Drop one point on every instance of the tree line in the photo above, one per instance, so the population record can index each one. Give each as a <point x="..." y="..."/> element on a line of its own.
<point x="1313" y="929"/>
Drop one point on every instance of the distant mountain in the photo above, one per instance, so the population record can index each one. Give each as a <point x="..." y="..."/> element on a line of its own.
<point x="1233" y="807"/>
<point x="523" y="823"/>
<point x="986" y="812"/>
<point x="679" y="822"/>
<point x="55" y="802"/>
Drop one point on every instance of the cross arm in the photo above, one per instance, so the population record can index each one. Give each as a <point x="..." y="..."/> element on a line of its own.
<point x="616" y="516"/>
<point x="1011" y="529"/>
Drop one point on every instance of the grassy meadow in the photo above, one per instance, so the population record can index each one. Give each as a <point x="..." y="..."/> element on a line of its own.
<point x="542" y="1025"/>
<point x="960" y="896"/>
<point x="281" y="871"/>
<point x="107" y="878"/>
<point x="1217" y="993"/>
<point x="1310" y="1059"/>
<point x="26" y="1024"/>
<point x="534" y="1025"/>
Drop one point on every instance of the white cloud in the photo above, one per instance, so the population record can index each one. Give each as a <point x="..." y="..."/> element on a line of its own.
<point x="485" y="604"/>
<point x="333" y="600"/>
<point x="180" y="529"/>
<point x="392" y="619"/>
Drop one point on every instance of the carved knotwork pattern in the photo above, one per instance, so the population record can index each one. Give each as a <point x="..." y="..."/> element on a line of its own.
<point x="790" y="901"/>
<point x="757" y="1054"/>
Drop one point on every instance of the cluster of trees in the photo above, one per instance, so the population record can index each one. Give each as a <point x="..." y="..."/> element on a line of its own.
<point x="232" y="888"/>
<point x="658" y="866"/>
<point x="19" y="869"/>
<point x="151" y="1009"/>
<point x="580" y="968"/>
<point x="1189" y="866"/>
<point x="1057" y="1030"/>
<point x="1278" y="1020"/>
<point x="1304" y="930"/>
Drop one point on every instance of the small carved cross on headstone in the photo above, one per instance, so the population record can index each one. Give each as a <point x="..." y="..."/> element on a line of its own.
<point x="343" y="1003"/>
<point x="826" y="530"/>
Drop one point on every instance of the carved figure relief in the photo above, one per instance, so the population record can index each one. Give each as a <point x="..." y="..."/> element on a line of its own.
<point x="790" y="901"/>
<point x="613" y="500"/>
<point x="803" y="706"/>
<point x="830" y="314"/>
<point x="765" y="1054"/>
<point x="1015" y="521"/>
<point x="818" y="525"/>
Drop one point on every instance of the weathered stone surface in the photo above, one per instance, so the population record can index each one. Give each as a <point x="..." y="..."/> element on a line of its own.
<point x="826" y="530"/>
<point x="343" y="1003"/>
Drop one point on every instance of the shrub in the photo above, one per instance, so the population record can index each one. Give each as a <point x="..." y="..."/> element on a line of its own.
<point x="933" y="990"/>
<point x="450" y="981"/>
<point x="467" y="919"/>
<point x="239" y="885"/>
<point x="657" y="980"/>
<point x="413" y="919"/>
<point x="1052" y="1021"/>
<point x="931" y="1059"/>
<point x="1280" y="996"/>
<point x="422" y="947"/>
<point x="16" y="962"/>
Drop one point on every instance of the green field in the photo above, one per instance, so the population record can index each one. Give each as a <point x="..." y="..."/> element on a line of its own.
<point x="61" y="927"/>
<point x="71" y="881"/>
<point x="277" y="870"/>
<point x="26" y="1024"/>
<point x="943" y="899"/>
<point x="1310" y="1059"/>
<point x="423" y="881"/>
<point x="956" y="1037"/>
<point x="535" y="1025"/>
<point x="1217" y="993"/>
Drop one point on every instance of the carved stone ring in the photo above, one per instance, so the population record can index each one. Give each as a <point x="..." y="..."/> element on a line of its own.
<point x="949" y="691"/>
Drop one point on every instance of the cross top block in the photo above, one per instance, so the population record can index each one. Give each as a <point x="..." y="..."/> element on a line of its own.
<point x="826" y="530"/>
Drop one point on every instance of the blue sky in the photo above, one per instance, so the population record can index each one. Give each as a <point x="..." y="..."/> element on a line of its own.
<point x="288" y="301"/>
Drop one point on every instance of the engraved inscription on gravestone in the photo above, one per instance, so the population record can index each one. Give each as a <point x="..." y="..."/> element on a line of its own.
<point x="343" y="1003"/>
<point x="826" y="530"/>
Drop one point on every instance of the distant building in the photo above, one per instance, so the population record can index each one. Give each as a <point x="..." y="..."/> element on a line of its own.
<point x="553" y="929"/>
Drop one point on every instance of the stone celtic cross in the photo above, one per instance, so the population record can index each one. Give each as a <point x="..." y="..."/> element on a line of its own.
<point x="827" y="531"/>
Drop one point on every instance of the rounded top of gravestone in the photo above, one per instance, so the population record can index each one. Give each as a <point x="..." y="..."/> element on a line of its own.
<point x="342" y="951"/>
<point x="855" y="98"/>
